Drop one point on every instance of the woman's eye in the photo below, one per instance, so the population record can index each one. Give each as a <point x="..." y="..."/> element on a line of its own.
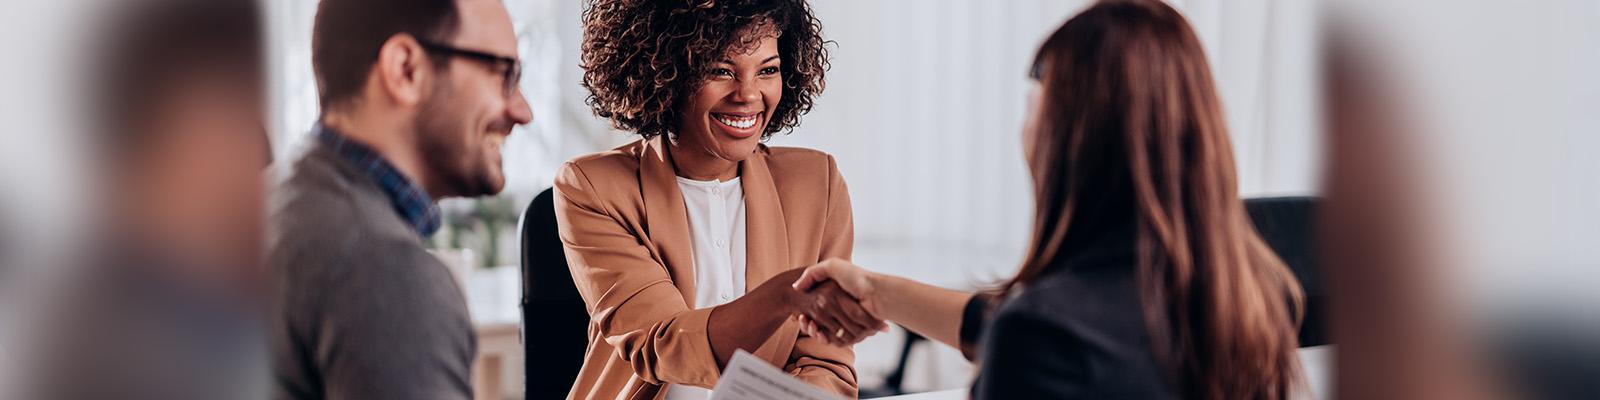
<point x="769" y="71"/>
<point x="722" y="72"/>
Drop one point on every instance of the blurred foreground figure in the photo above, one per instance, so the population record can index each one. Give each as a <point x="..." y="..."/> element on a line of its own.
<point x="1461" y="191"/>
<point x="162" y="303"/>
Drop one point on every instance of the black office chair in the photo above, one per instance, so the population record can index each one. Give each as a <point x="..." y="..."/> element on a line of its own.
<point x="555" y="322"/>
<point x="1288" y="224"/>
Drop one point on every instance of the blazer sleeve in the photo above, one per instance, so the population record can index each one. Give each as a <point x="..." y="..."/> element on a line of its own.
<point x="974" y="316"/>
<point x="631" y="298"/>
<point x="814" y="360"/>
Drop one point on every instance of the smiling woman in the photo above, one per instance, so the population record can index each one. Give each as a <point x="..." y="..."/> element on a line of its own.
<point x="683" y="243"/>
<point x="637" y="73"/>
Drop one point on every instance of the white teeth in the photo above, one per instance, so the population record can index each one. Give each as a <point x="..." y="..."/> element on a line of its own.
<point x="741" y="123"/>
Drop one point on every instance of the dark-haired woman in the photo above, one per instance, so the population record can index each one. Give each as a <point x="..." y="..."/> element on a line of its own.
<point x="1144" y="279"/>
<point x="685" y="243"/>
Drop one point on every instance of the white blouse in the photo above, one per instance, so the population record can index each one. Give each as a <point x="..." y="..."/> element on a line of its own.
<point x="717" y="228"/>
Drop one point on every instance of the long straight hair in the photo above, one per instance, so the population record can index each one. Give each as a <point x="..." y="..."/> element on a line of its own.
<point x="1130" y="137"/>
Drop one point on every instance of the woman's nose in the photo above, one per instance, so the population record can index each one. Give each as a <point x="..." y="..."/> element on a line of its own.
<point x="747" y="92"/>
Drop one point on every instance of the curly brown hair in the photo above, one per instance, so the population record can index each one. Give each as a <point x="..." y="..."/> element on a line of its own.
<point x="642" y="58"/>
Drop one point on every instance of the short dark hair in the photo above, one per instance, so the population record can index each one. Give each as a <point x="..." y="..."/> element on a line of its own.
<point x="642" y="58"/>
<point x="347" y="34"/>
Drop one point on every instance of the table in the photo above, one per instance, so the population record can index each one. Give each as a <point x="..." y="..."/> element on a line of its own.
<point x="499" y="345"/>
<point x="493" y="299"/>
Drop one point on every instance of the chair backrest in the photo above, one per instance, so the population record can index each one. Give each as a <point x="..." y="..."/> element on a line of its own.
<point x="554" y="319"/>
<point x="1288" y="224"/>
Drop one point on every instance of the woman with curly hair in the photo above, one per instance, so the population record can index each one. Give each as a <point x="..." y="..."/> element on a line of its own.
<point x="684" y="244"/>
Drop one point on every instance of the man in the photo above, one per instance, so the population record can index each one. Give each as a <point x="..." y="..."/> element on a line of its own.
<point x="417" y="97"/>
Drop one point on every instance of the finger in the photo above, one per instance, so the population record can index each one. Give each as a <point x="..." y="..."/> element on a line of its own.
<point x="858" y="314"/>
<point x="828" y="327"/>
<point x="872" y="308"/>
<point x="849" y="311"/>
<point x="808" y="325"/>
<point x="849" y="327"/>
<point x="869" y="325"/>
<point x="812" y="275"/>
<point x="812" y="328"/>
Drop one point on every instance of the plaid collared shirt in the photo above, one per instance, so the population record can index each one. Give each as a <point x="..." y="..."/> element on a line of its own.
<point x="410" y="201"/>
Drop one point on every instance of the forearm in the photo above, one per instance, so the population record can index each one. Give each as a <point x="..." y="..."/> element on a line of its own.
<point x="928" y="310"/>
<point x="746" y="322"/>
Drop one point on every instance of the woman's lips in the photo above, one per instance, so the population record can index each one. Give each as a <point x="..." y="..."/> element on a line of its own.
<point x="738" y="125"/>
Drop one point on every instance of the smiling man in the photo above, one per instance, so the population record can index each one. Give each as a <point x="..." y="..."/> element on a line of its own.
<point x="417" y="98"/>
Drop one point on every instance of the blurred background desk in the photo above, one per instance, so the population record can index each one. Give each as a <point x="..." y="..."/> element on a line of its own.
<point x="492" y="296"/>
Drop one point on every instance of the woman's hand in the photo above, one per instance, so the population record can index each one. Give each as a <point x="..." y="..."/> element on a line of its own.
<point x="829" y="312"/>
<point x="837" y="274"/>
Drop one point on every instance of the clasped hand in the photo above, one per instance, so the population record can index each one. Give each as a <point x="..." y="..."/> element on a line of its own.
<point x="834" y="302"/>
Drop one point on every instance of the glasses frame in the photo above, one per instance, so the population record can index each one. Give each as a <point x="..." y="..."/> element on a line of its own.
<point x="510" y="67"/>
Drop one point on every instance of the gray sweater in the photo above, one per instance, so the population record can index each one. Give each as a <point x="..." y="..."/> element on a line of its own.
<point x="361" y="309"/>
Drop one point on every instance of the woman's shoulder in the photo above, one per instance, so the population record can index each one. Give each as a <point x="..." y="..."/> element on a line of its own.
<point x="1100" y="291"/>
<point x="797" y="157"/>
<point x="618" y="164"/>
<point x="624" y="156"/>
<point x="803" y="164"/>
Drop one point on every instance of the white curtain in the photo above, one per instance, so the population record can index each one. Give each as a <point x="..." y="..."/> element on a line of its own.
<point x="923" y="109"/>
<point x="925" y="104"/>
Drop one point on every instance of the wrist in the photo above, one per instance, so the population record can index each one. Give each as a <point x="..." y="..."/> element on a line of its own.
<point x="782" y="296"/>
<point x="882" y="286"/>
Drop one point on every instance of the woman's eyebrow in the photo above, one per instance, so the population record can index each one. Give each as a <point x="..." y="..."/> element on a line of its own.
<point x="729" y="61"/>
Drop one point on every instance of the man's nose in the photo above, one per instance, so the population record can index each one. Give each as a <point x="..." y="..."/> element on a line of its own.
<point x="518" y="109"/>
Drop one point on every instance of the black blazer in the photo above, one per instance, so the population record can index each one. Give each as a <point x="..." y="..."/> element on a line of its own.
<point x="1076" y="333"/>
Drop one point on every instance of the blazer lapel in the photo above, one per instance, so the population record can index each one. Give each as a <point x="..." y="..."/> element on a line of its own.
<point x="766" y="235"/>
<point x="666" y="218"/>
<point x="766" y="245"/>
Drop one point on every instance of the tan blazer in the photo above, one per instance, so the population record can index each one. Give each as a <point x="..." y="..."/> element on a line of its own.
<point x="626" y="236"/>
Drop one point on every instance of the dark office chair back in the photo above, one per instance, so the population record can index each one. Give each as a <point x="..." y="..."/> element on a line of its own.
<point x="1288" y="224"/>
<point x="554" y="319"/>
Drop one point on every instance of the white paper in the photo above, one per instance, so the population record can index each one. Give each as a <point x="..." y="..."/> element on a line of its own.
<point x="751" y="378"/>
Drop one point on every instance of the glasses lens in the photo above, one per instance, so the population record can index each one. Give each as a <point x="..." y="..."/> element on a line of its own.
<point x="513" y="76"/>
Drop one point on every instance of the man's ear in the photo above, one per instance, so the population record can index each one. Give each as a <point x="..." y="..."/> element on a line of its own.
<point x="403" y="69"/>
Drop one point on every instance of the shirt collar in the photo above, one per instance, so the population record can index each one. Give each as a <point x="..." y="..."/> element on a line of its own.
<point x="409" y="200"/>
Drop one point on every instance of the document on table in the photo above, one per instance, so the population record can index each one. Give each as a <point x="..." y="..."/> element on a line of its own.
<point x="751" y="378"/>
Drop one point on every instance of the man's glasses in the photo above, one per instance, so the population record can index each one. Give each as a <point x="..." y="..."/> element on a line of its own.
<point x="509" y="68"/>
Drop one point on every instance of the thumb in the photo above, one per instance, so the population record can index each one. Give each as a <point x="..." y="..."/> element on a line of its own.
<point x="811" y="277"/>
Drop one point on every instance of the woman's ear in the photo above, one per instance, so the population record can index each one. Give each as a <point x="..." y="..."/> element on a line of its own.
<point x="403" y="70"/>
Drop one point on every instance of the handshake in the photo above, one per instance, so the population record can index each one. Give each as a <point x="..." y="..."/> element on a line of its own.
<point x="834" y="301"/>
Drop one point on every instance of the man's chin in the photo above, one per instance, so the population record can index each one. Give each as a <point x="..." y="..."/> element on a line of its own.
<point x="492" y="184"/>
